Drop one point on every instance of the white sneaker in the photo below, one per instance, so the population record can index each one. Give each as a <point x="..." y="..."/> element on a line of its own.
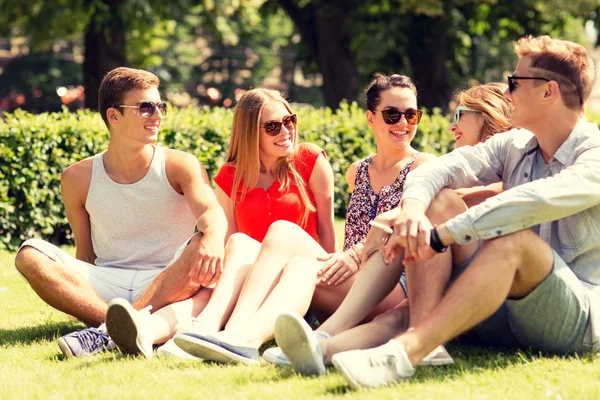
<point x="299" y="344"/>
<point x="129" y="328"/>
<point x="375" y="367"/>
<point x="275" y="355"/>
<point x="439" y="356"/>
<point x="170" y="349"/>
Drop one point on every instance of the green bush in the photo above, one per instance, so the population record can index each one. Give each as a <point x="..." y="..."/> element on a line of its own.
<point x="35" y="149"/>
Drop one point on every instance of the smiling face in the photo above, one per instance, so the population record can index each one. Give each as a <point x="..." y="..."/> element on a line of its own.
<point x="127" y="122"/>
<point x="401" y="133"/>
<point x="282" y="144"/>
<point x="468" y="130"/>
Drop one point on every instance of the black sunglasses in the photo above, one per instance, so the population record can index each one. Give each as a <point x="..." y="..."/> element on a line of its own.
<point x="391" y="116"/>
<point x="272" y="128"/>
<point x="512" y="81"/>
<point x="146" y="109"/>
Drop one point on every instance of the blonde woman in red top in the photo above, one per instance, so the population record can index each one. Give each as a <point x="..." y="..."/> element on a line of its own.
<point x="270" y="187"/>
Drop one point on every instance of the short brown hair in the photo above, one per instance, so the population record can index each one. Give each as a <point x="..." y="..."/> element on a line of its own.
<point x="118" y="82"/>
<point x="565" y="62"/>
<point x="495" y="109"/>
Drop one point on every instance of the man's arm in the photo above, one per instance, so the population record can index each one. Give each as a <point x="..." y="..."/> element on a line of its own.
<point x="574" y="189"/>
<point x="74" y="187"/>
<point x="188" y="176"/>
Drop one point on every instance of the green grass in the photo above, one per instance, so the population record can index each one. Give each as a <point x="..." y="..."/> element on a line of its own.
<point x="33" y="367"/>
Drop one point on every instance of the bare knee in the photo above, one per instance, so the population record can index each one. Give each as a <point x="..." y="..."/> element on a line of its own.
<point x="236" y="241"/>
<point x="281" y="233"/>
<point x="446" y="205"/>
<point x="27" y="258"/>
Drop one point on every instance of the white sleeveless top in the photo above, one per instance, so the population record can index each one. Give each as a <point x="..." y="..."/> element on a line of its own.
<point x="139" y="225"/>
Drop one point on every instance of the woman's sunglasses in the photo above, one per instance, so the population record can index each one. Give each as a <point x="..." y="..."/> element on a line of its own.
<point x="391" y="116"/>
<point x="146" y="109"/>
<point x="272" y="128"/>
<point x="458" y="113"/>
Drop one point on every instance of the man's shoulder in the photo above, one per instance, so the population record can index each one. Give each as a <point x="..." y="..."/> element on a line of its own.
<point x="79" y="171"/>
<point x="180" y="159"/>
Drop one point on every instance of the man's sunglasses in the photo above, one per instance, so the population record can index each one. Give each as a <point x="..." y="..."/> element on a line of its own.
<point x="272" y="128"/>
<point x="458" y="112"/>
<point x="391" y="116"/>
<point x="146" y="109"/>
<point x="512" y="81"/>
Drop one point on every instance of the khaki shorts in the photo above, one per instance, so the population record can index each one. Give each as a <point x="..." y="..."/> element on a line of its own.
<point x="108" y="282"/>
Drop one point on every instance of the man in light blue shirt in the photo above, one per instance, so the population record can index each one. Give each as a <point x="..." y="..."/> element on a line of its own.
<point x="539" y="263"/>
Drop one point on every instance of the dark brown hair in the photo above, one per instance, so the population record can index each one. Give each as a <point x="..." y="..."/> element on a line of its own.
<point x="118" y="82"/>
<point x="382" y="82"/>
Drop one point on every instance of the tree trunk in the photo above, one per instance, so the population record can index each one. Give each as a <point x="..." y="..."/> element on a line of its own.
<point x="428" y="50"/>
<point x="104" y="49"/>
<point x="324" y="28"/>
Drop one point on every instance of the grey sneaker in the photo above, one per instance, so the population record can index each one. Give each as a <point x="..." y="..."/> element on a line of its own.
<point x="375" y="367"/>
<point x="298" y="342"/>
<point x="170" y="349"/>
<point x="275" y="355"/>
<point x="129" y="328"/>
<point x="85" y="342"/>
<point x="438" y="357"/>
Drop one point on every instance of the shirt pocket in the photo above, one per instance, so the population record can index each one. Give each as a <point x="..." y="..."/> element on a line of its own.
<point x="573" y="231"/>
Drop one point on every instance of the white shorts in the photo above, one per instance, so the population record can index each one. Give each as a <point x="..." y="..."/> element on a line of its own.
<point x="108" y="282"/>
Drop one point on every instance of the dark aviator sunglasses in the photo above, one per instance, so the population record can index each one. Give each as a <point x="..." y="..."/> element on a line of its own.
<point x="146" y="109"/>
<point x="272" y="128"/>
<point x="391" y="116"/>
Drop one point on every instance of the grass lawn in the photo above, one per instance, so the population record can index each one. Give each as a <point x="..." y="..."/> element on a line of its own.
<point x="33" y="367"/>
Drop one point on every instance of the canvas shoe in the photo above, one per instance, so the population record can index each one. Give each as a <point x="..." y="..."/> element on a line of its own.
<point x="130" y="329"/>
<point x="210" y="347"/>
<point x="299" y="344"/>
<point x="375" y="367"/>
<point x="85" y="342"/>
<point x="275" y="355"/>
<point x="170" y="349"/>
<point x="438" y="357"/>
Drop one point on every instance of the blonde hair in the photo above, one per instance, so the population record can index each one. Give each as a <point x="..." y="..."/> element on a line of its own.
<point x="494" y="107"/>
<point x="244" y="149"/>
<point x="565" y="62"/>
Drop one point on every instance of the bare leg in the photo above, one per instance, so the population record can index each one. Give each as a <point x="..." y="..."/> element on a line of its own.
<point x="173" y="284"/>
<point x="284" y="240"/>
<point x="375" y="282"/>
<point x="293" y="292"/>
<point x="241" y="251"/>
<point x="366" y="336"/>
<point x="428" y="280"/>
<point x="526" y="261"/>
<point x="58" y="286"/>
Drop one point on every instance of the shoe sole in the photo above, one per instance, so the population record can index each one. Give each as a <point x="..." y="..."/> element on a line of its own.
<point x="275" y="360"/>
<point x="123" y="329"/>
<point x="345" y="373"/>
<point x="64" y="347"/>
<point x="295" y="337"/>
<point x="209" y="351"/>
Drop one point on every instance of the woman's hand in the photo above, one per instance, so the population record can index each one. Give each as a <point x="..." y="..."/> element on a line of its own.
<point x="337" y="268"/>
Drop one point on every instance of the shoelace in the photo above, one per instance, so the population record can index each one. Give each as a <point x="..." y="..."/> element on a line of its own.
<point x="92" y="339"/>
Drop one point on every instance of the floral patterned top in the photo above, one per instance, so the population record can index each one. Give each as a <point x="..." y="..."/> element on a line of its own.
<point x="365" y="204"/>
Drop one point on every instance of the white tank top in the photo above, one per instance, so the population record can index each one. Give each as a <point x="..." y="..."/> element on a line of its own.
<point x="139" y="225"/>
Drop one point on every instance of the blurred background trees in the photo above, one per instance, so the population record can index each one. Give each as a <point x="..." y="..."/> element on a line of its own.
<point x="318" y="51"/>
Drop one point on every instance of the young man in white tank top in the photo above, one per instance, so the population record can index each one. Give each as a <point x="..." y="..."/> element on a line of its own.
<point x="133" y="210"/>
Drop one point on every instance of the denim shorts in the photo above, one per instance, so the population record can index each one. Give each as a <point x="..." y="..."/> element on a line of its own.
<point x="108" y="282"/>
<point x="552" y="318"/>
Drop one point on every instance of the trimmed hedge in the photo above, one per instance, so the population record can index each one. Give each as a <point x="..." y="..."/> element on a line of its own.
<point x="35" y="149"/>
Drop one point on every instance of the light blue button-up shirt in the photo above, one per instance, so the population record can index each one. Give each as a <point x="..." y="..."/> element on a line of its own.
<point x="566" y="205"/>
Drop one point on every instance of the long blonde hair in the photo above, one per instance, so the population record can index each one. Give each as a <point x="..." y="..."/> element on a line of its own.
<point x="244" y="149"/>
